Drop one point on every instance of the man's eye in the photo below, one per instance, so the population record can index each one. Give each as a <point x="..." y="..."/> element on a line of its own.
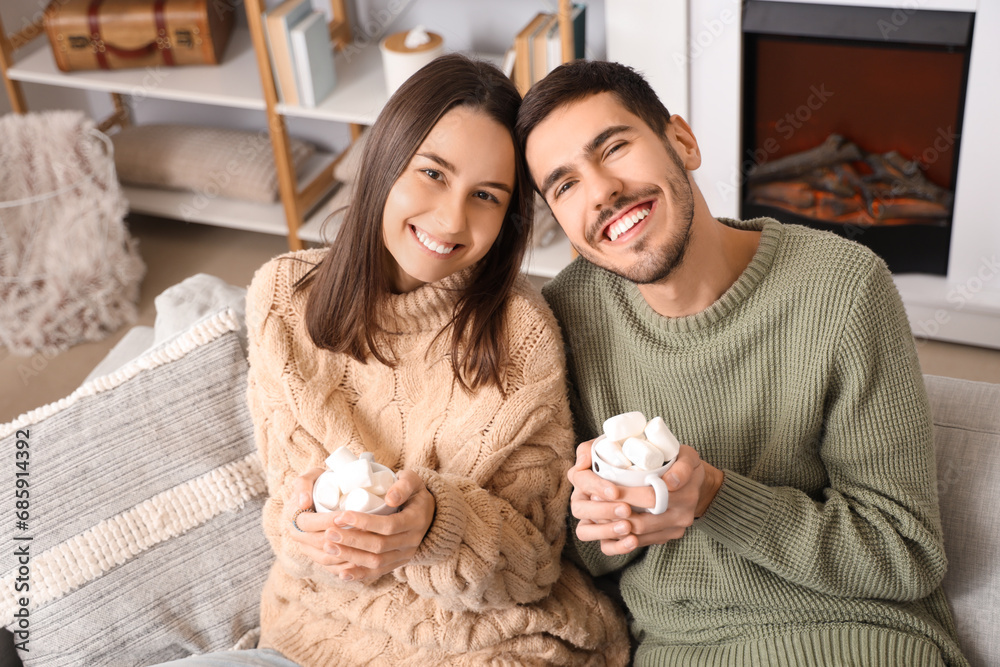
<point x="615" y="147"/>
<point x="563" y="188"/>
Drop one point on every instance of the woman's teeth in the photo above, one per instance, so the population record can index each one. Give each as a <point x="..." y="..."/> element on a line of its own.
<point x="439" y="248"/>
<point x="626" y="223"/>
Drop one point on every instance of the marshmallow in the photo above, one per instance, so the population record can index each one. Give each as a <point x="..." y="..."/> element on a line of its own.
<point x="642" y="454"/>
<point x="381" y="481"/>
<point x="340" y="458"/>
<point x="624" y="426"/>
<point x="658" y="434"/>
<point x="355" y="475"/>
<point x="611" y="453"/>
<point x="368" y="456"/>
<point x="360" y="500"/>
<point x="326" y="493"/>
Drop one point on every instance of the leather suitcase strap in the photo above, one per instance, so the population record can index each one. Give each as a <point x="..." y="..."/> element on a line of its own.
<point x="102" y="48"/>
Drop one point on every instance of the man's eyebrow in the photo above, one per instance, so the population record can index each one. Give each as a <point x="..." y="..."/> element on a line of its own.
<point x="592" y="146"/>
<point x="434" y="157"/>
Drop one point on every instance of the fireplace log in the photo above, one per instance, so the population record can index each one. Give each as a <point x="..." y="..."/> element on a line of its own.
<point x="834" y="150"/>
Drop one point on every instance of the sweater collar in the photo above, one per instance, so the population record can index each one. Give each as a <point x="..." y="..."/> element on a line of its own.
<point x="770" y="238"/>
<point x="430" y="306"/>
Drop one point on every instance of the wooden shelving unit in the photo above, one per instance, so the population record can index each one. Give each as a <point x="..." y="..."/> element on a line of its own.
<point x="244" y="80"/>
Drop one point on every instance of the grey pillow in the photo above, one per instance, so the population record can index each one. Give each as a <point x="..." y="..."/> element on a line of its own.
<point x="967" y="437"/>
<point x="144" y="511"/>
<point x="233" y="164"/>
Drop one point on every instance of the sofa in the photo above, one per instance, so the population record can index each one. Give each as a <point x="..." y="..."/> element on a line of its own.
<point x="138" y="539"/>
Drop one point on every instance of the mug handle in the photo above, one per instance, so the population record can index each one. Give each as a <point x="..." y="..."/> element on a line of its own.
<point x="660" y="489"/>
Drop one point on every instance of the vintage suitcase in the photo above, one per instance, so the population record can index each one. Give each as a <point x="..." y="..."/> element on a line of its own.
<point x="119" y="34"/>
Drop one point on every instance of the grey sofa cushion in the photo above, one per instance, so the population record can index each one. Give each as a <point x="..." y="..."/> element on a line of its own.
<point x="967" y="438"/>
<point x="145" y="503"/>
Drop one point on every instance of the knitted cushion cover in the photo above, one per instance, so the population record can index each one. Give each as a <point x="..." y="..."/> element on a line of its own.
<point x="142" y="525"/>
<point x="218" y="162"/>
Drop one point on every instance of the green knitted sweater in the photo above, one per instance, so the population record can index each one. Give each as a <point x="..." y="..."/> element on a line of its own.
<point x="801" y="382"/>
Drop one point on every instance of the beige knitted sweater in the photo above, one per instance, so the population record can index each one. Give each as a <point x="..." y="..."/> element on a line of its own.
<point x="487" y="585"/>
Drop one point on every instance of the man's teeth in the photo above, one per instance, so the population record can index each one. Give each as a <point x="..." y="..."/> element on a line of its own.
<point x="625" y="223"/>
<point x="439" y="248"/>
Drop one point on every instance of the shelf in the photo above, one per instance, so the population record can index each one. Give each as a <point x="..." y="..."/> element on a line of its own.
<point x="233" y="83"/>
<point x="233" y="213"/>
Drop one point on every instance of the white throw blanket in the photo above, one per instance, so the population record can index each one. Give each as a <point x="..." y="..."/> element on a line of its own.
<point x="69" y="270"/>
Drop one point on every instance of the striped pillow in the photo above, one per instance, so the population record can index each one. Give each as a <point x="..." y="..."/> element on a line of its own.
<point x="141" y="539"/>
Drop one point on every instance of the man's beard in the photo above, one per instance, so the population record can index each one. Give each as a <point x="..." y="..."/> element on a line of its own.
<point x="651" y="267"/>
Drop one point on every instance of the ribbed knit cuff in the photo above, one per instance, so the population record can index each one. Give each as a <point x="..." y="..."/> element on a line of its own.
<point x="448" y="526"/>
<point x="738" y="513"/>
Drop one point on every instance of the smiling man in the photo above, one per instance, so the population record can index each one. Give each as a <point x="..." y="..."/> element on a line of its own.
<point x="803" y="524"/>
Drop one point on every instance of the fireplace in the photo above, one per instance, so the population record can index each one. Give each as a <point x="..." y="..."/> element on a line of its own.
<point x="852" y="123"/>
<point x="697" y="69"/>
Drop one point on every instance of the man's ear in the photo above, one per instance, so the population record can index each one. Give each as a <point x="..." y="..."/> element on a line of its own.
<point x="684" y="142"/>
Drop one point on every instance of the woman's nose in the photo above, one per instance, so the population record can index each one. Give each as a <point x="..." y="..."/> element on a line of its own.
<point x="451" y="215"/>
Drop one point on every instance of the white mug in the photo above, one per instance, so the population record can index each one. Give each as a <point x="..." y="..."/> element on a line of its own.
<point x="633" y="478"/>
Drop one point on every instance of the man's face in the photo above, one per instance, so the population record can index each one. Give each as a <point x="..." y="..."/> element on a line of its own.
<point x="618" y="190"/>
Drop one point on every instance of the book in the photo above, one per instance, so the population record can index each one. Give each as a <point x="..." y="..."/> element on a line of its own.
<point x="312" y="54"/>
<point x="578" y="18"/>
<point x="522" y="47"/>
<point x="278" y="25"/>
<point x="540" y="48"/>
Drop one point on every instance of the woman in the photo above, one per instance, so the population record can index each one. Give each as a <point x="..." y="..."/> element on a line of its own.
<point x="415" y="337"/>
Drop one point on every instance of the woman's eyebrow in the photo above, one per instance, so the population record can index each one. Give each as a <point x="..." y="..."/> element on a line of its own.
<point x="434" y="157"/>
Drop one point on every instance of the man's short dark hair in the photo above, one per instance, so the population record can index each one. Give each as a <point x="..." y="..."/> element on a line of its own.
<point x="583" y="78"/>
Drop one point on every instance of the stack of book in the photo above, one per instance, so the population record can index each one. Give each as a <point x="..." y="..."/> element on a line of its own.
<point x="537" y="49"/>
<point x="301" y="53"/>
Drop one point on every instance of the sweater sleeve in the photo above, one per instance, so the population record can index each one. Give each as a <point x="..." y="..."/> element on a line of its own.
<point x="875" y="532"/>
<point x="497" y="535"/>
<point x="285" y="447"/>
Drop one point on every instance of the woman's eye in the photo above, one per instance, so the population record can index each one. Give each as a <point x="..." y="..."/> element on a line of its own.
<point x="433" y="173"/>
<point x="486" y="196"/>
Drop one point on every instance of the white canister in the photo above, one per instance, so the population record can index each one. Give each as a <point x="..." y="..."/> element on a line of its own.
<point x="403" y="53"/>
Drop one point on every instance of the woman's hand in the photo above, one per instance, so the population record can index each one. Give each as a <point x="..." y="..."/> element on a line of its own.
<point x="308" y="528"/>
<point x="367" y="545"/>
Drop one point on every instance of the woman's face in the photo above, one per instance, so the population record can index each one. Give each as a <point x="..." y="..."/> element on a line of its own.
<point x="445" y="210"/>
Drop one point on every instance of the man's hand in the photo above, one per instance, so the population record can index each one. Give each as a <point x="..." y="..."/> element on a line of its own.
<point x="605" y="509"/>
<point x="367" y="545"/>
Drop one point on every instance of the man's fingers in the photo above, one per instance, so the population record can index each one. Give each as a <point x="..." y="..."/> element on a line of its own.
<point x="679" y="474"/>
<point x="588" y="531"/>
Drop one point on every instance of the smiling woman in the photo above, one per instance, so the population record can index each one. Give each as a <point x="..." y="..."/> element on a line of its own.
<point x="415" y="339"/>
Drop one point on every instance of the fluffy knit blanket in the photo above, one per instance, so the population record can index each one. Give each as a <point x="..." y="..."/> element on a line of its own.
<point x="69" y="271"/>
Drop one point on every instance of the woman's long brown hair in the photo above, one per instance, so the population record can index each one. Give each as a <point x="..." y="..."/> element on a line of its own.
<point x="346" y="307"/>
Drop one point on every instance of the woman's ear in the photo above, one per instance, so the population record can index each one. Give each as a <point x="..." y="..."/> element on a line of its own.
<point x="679" y="134"/>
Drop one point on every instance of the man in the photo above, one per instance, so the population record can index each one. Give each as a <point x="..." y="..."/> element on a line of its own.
<point x="803" y="524"/>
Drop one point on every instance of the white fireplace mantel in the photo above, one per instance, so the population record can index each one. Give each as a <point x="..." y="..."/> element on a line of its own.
<point x="694" y="62"/>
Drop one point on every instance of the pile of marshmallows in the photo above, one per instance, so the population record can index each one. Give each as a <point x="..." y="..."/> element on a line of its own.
<point x="354" y="483"/>
<point x="632" y="443"/>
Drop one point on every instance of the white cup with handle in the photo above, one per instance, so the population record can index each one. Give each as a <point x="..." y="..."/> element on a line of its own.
<point x="633" y="478"/>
